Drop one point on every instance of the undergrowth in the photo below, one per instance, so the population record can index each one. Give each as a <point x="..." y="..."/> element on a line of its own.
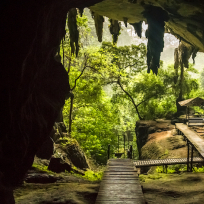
<point x="89" y="174"/>
<point x="173" y="169"/>
<point x="178" y="168"/>
<point x="93" y="176"/>
<point x="154" y="176"/>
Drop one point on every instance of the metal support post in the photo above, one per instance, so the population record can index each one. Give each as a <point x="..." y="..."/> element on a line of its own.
<point x="124" y="145"/>
<point x="118" y="143"/>
<point x="192" y="157"/>
<point x="108" y="152"/>
<point x="166" y="167"/>
<point x="188" y="151"/>
<point x="130" y="151"/>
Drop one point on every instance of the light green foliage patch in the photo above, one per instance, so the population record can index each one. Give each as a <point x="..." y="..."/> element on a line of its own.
<point x="178" y="168"/>
<point x="93" y="176"/>
<point x="42" y="168"/>
<point x="149" y="177"/>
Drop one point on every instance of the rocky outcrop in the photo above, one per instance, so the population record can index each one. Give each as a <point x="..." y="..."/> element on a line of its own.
<point x="70" y="151"/>
<point x="145" y="128"/>
<point x="159" y="140"/>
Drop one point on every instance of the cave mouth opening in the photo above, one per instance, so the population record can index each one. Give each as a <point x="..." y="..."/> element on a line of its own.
<point x="34" y="85"/>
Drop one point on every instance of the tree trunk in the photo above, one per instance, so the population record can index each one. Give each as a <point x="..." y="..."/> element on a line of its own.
<point x="70" y="114"/>
<point x="180" y="109"/>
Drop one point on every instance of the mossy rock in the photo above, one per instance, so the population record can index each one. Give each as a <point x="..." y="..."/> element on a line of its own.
<point x="69" y="149"/>
<point x="152" y="151"/>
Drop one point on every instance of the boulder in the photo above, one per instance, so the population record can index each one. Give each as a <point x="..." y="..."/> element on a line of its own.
<point x="146" y="127"/>
<point x="41" y="178"/>
<point x="69" y="149"/>
<point x="58" y="165"/>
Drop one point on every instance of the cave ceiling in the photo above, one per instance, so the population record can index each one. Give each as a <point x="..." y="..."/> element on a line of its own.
<point x="185" y="18"/>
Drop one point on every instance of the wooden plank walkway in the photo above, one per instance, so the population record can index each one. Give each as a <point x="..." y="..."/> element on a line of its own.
<point x="192" y="137"/>
<point x="120" y="184"/>
<point x="160" y="162"/>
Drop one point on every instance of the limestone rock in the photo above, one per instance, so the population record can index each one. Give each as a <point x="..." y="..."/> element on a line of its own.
<point x="185" y="17"/>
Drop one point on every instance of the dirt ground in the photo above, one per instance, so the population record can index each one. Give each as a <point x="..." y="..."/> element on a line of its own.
<point x="69" y="190"/>
<point x="185" y="188"/>
<point x="158" y="188"/>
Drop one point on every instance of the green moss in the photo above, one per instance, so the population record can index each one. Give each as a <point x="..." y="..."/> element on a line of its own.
<point x="89" y="175"/>
<point x="149" y="177"/>
<point x="93" y="176"/>
<point x="67" y="141"/>
<point x="42" y="168"/>
<point x="152" y="151"/>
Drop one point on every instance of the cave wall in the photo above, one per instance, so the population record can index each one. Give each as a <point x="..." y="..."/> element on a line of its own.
<point x="33" y="85"/>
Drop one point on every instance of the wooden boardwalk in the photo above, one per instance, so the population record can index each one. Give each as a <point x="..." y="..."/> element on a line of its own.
<point x="160" y="162"/>
<point x="192" y="137"/>
<point x="120" y="184"/>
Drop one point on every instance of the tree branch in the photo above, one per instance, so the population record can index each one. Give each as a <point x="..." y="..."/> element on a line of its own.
<point x="85" y="63"/>
<point x="131" y="98"/>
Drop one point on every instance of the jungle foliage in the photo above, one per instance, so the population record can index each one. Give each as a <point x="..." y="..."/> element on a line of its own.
<point x="112" y="90"/>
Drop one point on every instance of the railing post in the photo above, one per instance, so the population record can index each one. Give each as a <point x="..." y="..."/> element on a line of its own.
<point x="124" y="144"/>
<point x="130" y="151"/>
<point x="188" y="151"/>
<point x="192" y="158"/>
<point x="108" y="152"/>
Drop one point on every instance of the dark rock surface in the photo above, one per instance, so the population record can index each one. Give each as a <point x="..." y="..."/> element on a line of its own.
<point x="41" y="178"/>
<point x="58" y="165"/>
<point x="71" y="151"/>
<point x="46" y="150"/>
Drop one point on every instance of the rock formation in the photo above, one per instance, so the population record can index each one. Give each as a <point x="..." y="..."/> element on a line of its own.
<point x="184" y="19"/>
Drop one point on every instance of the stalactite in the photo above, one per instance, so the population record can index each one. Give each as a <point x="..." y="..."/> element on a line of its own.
<point x="176" y="65"/>
<point x="156" y="18"/>
<point x="98" y="19"/>
<point x="195" y="51"/>
<point x="125" y="20"/>
<point x="138" y="28"/>
<point x="115" y="27"/>
<point x="184" y="53"/>
<point x="73" y="31"/>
